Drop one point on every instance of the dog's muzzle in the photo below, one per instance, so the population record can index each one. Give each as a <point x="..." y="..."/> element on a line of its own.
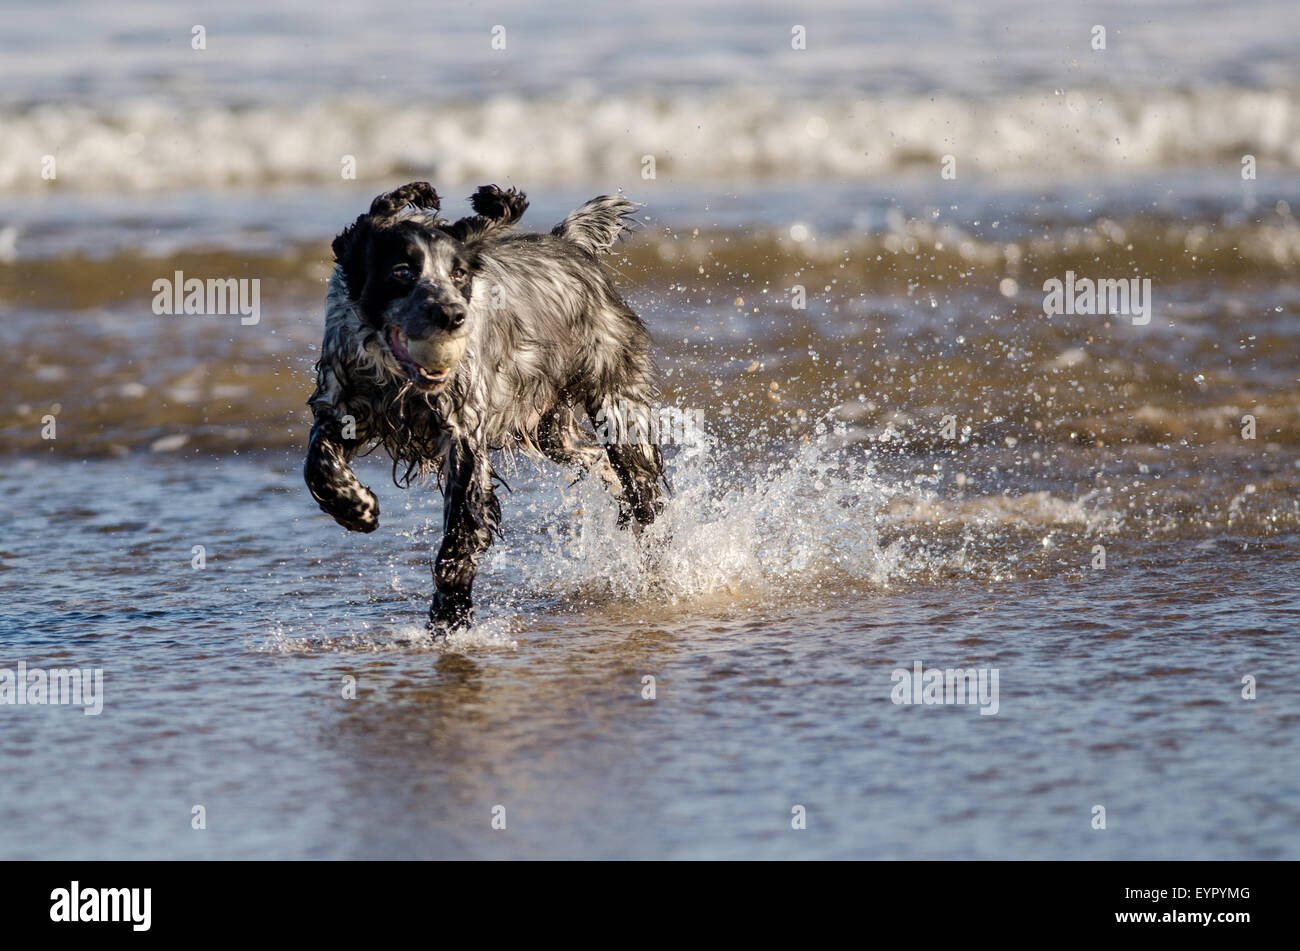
<point x="428" y="362"/>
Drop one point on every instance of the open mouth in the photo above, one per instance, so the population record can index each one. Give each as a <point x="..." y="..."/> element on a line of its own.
<point x="420" y="375"/>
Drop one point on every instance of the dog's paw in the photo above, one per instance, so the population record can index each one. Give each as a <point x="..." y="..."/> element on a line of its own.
<point x="357" y="510"/>
<point x="349" y="503"/>
<point x="335" y="487"/>
<point x="450" y="612"/>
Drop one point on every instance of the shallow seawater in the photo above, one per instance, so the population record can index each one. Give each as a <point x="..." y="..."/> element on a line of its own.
<point x="771" y="613"/>
<point x="917" y="467"/>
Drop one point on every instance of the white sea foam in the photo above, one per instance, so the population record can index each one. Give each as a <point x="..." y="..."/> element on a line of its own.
<point x="589" y="137"/>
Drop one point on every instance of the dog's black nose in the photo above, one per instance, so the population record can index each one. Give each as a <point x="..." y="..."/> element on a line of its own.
<point x="454" y="315"/>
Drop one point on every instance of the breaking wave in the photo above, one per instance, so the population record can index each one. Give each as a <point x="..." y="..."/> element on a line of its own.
<point x="587" y="136"/>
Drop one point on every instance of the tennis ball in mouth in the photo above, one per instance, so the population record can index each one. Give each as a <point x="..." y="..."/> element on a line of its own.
<point x="438" y="353"/>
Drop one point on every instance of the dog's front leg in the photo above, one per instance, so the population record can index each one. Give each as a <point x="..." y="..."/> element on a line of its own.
<point x="471" y="516"/>
<point x="332" y="482"/>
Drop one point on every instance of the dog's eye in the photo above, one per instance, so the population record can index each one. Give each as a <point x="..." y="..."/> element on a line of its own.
<point x="458" y="274"/>
<point x="403" y="272"/>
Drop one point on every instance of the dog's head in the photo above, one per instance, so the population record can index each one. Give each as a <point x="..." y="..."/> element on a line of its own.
<point x="410" y="278"/>
<point x="410" y="273"/>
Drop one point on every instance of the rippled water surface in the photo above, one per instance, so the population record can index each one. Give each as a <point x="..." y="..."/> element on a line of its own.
<point x="771" y="615"/>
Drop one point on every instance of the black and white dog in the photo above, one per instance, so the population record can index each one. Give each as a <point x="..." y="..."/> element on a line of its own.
<point x="445" y="341"/>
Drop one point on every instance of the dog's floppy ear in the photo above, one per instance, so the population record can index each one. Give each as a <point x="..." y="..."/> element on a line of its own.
<point x="497" y="209"/>
<point x="350" y="245"/>
<point x="419" y="194"/>
<point x="350" y="254"/>
<point x="505" y="206"/>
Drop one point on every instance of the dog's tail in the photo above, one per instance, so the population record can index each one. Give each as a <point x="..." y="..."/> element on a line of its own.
<point x="598" y="224"/>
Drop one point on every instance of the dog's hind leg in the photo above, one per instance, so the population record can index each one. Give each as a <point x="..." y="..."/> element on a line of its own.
<point x="625" y="428"/>
<point x="471" y="516"/>
<point x="563" y="440"/>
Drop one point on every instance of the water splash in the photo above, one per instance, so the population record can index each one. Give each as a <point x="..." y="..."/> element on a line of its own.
<point x="827" y="516"/>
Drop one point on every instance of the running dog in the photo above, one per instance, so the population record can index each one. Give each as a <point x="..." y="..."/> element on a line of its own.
<point x="448" y="341"/>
